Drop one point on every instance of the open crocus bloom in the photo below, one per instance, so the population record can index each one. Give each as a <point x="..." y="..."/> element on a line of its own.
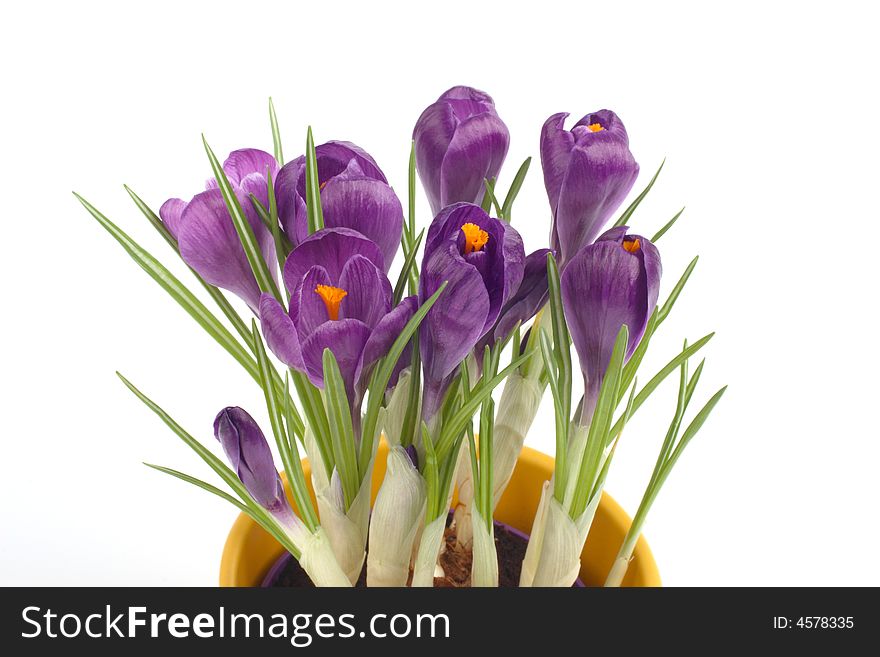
<point x="460" y="141"/>
<point x="206" y="236"/>
<point x="354" y="194"/>
<point x="483" y="259"/>
<point x="613" y="282"/>
<point x="588" y="171"/>
<point x="340" y="299"/>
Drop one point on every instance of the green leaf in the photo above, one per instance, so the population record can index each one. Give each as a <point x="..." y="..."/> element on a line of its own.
<point x="649" y="388"/>
<point x="562" y="419"/>
<point x="411" y="189"/>
<point x="625" y="217"/>
<point x="225" y="473"/>
<point x="692" y="429"/>
<point x="676" y="291"/>
<point x="489" y="200"/>
<point x="271" y="528"/>
<point x="382" y="375"/>
<point x="488" y="194"/>
<point x="218" y="297"/>
<point x="242" y="227"/>
<point x="286" y="448"/>
<point x="591" y="463"/>
<point x="413" y="407"/>
<point x="313" y="186"/>
<point x="276" y="134"/>
<point x="456" y="424"/>
<point x="313" y="408"/>
<point x="669" y="224"/>
<point x="341" y="428"/>
<point x="431" y="474"/>
<point x="178" y="291"/>
<point x="408" y="264"/>
<point x="515" y="186"/>
<point x="561" y="339"/>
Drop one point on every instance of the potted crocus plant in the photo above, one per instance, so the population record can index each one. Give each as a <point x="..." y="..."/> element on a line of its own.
<point x="403" y="367"/>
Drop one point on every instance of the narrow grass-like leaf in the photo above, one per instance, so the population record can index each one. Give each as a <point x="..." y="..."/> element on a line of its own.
<point x="673" y="364"/>
<point x="313" y="408"/>
<point x="458" y="421"/>
<point x="695" y="425"/>
<point x="178" y="291"/>
<point x="276" y="134"/>
<point x="242" y="227"/>
<point x="632" y="365"/>
<point x="676" y="291"/>
<point x="225" y="473"/>
<point x="669" y="224"/>
<point x="431" y="473"/>
<point x="489" y="200"/>
<point x="382" y="375"/>
<point x="561" y="342"/>
<point x="597" y="437"/>
<point x="341" y="428"/>
<point x="406" y="271"/>
<point x="625" y="217"/>
<point x="515" y="186"/>
<point x="413" y="407"/>
<point x="488" y="195"/>
<point x="286" y="447"/>
<point x="218" y="297"/>
<point x="313" y="186"/>
<point x="270" y="527"/>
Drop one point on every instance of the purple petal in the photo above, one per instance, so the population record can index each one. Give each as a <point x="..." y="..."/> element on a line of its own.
<point x="243" y="163"/>
<point x="457" y="320"/>
<point x="368" y="206"/>
<point x="475" y="153"/>
<point x="384" y="335"/>
<point x="604" y="287"/>
<point x="249" y="454"/>
<point x="210" y="244"/>
<point x="369" y="291"/>
<point x="346" y="339"/>
<point x="309" y="311"/>
<point x="556" y="145"/>
<point x="170" y="214"/>
<point x="280" y="333"/>
<point x="291" y="203"/>
<point x="331" y="248"/>
<point x="335" y="156"/>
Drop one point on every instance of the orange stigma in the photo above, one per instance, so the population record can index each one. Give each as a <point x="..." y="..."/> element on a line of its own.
<point x="475" y="238"/>
<point x="631" y="244"/>
<point x="332" y="297"/>
<point x="595" y="127"/>
<point x="322" y="185"/>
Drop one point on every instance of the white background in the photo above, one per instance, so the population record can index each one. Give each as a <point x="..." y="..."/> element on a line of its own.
<point x="768" y="115"/>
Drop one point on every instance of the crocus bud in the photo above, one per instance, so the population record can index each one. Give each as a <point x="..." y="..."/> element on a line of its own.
<point x="482" y="259"/>
<point x="613" y="282"/>
<point x="460" y="141"/>
<point x="249" y="455"/>
<point x="588" y="171"/>
<point x="354" y="195"/>
<point x="206" y="236"/>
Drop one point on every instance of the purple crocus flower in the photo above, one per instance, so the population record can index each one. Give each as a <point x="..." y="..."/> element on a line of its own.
<point x="482" y="258"/>
<point x="529" y="298"/>
<point x="609" y="283"/>
<point x="459" y="141"/>
<point x="206" y="236"/>
<point x="340" y="298"/>
<point x="249" y="455"/>
<point x="354" y="194"/>
<point x="588" y="171"/>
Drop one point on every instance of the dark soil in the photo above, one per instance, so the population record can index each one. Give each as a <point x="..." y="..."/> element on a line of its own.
<point x="456" y="563"/>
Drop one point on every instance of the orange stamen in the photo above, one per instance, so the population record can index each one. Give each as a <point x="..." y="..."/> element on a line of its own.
<point x="631" y="244"/>
<point x="322" y="185"/>
<point x="332" y="297"/>
<point x="475" y="238"/>
<point x="595" y="127"/>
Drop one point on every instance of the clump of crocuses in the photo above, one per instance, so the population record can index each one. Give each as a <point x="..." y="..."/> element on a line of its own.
<point x="366" y="330"/>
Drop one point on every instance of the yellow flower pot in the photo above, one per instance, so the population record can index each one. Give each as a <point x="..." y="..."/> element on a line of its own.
<point x="250" y="552"/>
